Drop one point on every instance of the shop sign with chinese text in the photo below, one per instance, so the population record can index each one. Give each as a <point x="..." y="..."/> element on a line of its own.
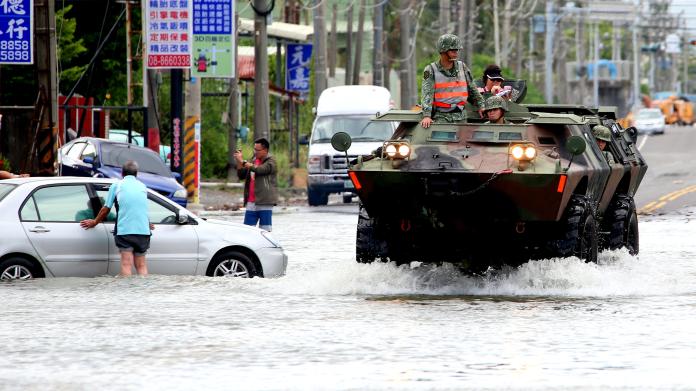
<point x="213" y="32"/>
<point x="16" y="32"/>
<point x="168" y="33"/>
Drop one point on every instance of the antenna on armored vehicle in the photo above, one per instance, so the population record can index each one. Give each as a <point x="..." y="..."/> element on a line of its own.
<point x="341" y="141"/>
<point x="575" y="145"/>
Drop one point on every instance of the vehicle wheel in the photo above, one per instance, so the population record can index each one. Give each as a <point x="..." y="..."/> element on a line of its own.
<point x="347" y="199"/>
<point x="367" y="246"/>
<point x="317" y="198"/>
<point x="16" y="269"/>
<point x="621" y="225"/>
<point x="579" y="231"/>
<point x="232" y="264"/>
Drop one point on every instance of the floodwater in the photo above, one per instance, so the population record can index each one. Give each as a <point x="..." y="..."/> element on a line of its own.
<point x="332" y="324"/>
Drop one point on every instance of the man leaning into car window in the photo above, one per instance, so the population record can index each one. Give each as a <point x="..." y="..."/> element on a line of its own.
<point x="132" y="228"/>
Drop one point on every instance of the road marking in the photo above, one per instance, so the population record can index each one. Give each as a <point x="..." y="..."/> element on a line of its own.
<point x="642" y="142"/>
<point x="651" y="207"/>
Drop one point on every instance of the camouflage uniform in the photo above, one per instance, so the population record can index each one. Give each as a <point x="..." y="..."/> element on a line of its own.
<point x="496" y="102"/>
<point x="447" y="42"/>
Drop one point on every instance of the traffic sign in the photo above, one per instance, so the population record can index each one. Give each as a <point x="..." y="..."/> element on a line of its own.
<point x="16" y="32"/>
<point x="213" y="33"/>
<point x="297" y="64"/>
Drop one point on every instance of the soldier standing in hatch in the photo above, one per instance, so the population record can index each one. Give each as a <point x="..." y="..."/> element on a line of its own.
<point x="448" y="85"/>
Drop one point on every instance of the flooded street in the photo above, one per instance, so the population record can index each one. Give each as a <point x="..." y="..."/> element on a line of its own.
<point x="625" y="323"/>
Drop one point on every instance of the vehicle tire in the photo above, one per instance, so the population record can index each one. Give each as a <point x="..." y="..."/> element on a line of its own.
<point x="368" y="246"/>
<point x="231" y="264"/>
<point x="347" y="199"/>
<point x="16" y="269"/>
<point x="578" y="231"/>
<point x="621" y="225"/>
<point x="317" y="198"/>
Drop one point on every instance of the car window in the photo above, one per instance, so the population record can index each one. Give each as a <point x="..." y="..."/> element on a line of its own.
<point x="67" y="203"/>
<point x="75" y="151"/>
<point x="148" y="161"/>
<point x="89" y="151"/>
<point x="160" y="214"/>
<point x="29" y="211"/>
<point x="5" y="189"/>
<point x="102" y="192"/>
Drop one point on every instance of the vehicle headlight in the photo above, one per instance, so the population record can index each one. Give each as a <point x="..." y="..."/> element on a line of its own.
<point x="523" y="152"/>
<point x="181" y="193"/>
<point x="390" y="150"/>
<point x="270" y="238"/>
<point x="397" y="150"/>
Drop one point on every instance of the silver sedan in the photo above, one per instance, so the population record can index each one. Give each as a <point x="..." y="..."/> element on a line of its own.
<point x="41" y="235"/>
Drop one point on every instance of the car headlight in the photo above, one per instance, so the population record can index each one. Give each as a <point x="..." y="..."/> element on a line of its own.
<point x="523" y="152"/>
<point x="397" y="150"/>
<point x="181" y="193"/>
<point x="270" y="238"/>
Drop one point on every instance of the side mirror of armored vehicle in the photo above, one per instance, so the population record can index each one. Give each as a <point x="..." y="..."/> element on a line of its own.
<point x="632" y="133"/>
<point x="341" y="141"/>
<point x="576" y="145"/>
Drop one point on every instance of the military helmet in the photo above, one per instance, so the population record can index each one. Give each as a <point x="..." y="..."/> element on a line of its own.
<point x="601" y="132"/>
<point x="495" y="102"/>
<point x="448" y="42"/>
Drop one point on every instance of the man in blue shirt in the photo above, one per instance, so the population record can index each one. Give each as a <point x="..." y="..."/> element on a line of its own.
<point x="132" y="233"/>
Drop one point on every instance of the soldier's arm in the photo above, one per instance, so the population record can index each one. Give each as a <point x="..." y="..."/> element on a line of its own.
<point x="428" y="88"/>
<point x="475" y="96"/>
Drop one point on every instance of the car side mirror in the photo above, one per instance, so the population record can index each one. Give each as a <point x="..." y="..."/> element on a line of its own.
<point x="304" y="140"/>
<point x="182" y="218"/>
<point x="88" y="160"/>
<point x="176" y="176"/>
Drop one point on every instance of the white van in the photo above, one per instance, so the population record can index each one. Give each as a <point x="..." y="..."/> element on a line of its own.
<point x="344" y="109"/>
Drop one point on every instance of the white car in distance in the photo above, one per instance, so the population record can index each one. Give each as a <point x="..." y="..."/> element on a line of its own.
<point x="41" y="235"/>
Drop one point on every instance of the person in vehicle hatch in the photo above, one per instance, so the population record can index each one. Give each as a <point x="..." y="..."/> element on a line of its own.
<point x="603" y="136"/>
<point x="260" y="186"/>
<point x="495" y="110"/>
<point x="448" y="85"/>
<point x="133" y="229"/>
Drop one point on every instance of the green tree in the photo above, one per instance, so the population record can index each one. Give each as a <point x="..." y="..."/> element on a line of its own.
<point x="69" y="50"/>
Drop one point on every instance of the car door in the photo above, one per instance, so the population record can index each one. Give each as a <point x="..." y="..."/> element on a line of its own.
<point x="70" y="159"/>
<point x="51" y="219"/>
<point x="173" y="246"/>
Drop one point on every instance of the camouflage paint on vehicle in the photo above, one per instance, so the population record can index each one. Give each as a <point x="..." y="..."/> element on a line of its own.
<point x="460" y="196"/>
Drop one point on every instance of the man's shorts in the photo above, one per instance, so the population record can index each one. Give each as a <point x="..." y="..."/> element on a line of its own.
<point x="138" y="244"/>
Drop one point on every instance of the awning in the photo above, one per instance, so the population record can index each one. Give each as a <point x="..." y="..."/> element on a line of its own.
<point x="279" y="30"/>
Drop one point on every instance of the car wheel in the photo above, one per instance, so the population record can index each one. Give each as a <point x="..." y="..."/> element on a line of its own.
<point x="621" y="225"/>
<point x="232" y="264"/>
<point x="368" y="246"/>
<point x="317" y="198"/>
<point x="347" y="199"/>
<point x="578" y="231"/>
<point x="16" y="269"/>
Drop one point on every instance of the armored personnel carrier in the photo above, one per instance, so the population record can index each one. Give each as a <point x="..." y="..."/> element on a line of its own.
<point x="483" y="195"/>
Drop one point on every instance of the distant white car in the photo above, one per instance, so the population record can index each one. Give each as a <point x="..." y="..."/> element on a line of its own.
<point x="650" y="121"/>
<point x="42" y="237"/>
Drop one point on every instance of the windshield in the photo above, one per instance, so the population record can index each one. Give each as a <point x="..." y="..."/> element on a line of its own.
<point x="5" y="189"/>
<point x="649" y="114"/>
<point x="359" y="128"/>
<point x="148" y="161"/>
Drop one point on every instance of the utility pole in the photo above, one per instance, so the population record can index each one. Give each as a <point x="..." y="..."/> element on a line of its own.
<point x="595" y="70"/>
<point x="233" y="109"/>
<point x="636" y="59"/>
<point x="261" y="102"/>
<point x="405" y="32"/>
<point x="378" y="47"/>
<point x="358" y="43"/>
<point x="349" y="45"/>
<point x="320" y="47"/>
<point x="580" y="57"/>
<point x="45" y="34"/>
<point x="548" y="47"/>
<point x="332" y="43"/>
